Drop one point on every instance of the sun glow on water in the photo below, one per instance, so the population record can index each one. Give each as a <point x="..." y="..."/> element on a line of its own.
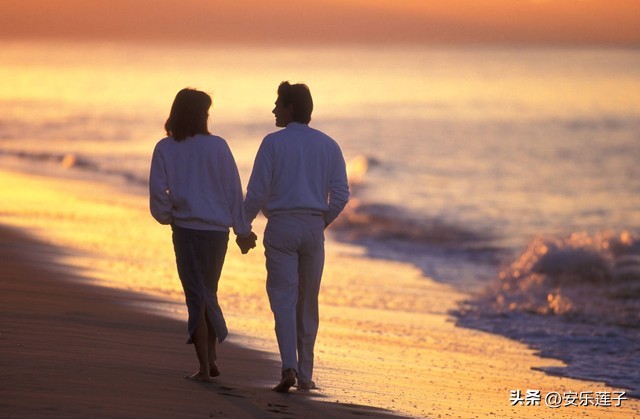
<point x="443" y="146"/>
<point x="403" y="83"/>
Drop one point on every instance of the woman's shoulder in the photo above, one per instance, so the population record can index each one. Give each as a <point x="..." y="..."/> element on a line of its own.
<point x="211" y="138"/>
<point x="212" y="141"/>
<point x="196" y="140"/>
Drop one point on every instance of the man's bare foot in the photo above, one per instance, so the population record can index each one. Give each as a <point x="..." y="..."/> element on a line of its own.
<point x="198" y="376"/>
<point x="307" y="386"/>
<point x="288" y="380"/>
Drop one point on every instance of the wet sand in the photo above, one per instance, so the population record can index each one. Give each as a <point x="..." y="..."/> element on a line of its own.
<point x="70" y="349"/>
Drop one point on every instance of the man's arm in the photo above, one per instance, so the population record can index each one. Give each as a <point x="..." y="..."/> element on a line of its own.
<point x="338" y="190"/>
<point x="259" y="185"/>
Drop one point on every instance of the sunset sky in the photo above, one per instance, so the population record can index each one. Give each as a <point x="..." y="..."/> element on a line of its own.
<point x="327" y="21"/>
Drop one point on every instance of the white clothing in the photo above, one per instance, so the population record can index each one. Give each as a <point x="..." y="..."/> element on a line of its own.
<point x="195" y="184"/>
<point x="294" y="247"/>
<point x="299" y="181"/>
<point x="298" y="169"/>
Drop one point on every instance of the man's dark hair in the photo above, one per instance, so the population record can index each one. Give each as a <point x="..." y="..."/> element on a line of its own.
<point x="189" y="114"/>
<point x="299" y="96"/>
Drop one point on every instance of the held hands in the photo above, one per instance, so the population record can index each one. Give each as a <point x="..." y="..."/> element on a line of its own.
<point x="247" y="243"/>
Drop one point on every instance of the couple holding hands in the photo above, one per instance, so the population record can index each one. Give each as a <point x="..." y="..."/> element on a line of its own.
<point x="298" y="181"/>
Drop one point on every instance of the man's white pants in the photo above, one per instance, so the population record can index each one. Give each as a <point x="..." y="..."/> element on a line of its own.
<point x="294" y="249"/>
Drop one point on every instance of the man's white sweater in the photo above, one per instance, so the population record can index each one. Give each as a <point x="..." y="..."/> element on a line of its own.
<point x="298" y="170"/>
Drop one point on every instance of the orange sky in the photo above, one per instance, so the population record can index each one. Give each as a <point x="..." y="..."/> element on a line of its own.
<point x="334" y="21"/>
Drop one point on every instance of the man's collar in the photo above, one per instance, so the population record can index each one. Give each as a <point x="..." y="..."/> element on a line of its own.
<point x="296" y="124"/>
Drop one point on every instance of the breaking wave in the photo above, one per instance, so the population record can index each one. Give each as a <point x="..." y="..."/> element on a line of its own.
<point x="363" y="220"/>
<point x="593" y="277"/>
<point x="80" y="164"/>
<point x="575" y="298"/>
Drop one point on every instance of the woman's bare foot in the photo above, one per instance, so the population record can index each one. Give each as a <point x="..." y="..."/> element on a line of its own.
<point x="199" y="376"/>
<point x="213" y="370"/>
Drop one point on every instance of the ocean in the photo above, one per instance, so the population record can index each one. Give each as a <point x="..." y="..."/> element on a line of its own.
<point x="510" y="175"/>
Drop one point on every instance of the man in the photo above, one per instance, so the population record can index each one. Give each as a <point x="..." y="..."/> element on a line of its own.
<point x="299" y="181"/>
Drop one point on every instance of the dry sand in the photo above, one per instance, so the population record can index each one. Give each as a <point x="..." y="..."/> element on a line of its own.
<point x="69" y="349"/>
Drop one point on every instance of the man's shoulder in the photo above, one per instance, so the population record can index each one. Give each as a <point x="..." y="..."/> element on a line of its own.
<point x="308" y="131"/>
<point x="281" y="133"/>
<point x="273" y="139"/>
<point x="297" y="132"/>
<point x="325" y="139"/>
<point x="318" y="133"/>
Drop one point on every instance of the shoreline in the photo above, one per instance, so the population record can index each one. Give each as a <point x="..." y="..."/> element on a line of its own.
<point x="71" y="349"/>
<point x="386" y="340"/>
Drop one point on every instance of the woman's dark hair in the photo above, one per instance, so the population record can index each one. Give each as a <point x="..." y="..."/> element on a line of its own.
<point x="189" y="114"/>
<point x="299" y="96"/>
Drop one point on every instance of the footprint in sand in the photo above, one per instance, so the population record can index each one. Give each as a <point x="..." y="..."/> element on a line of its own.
<point x="278" y="408"/>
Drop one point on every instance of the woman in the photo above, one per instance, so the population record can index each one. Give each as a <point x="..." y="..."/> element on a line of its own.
<point x="195" y="187"/>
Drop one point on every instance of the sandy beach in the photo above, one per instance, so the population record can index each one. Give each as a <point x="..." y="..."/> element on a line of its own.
<point x="70" y="349"/>
<point x="82" y="343"/>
